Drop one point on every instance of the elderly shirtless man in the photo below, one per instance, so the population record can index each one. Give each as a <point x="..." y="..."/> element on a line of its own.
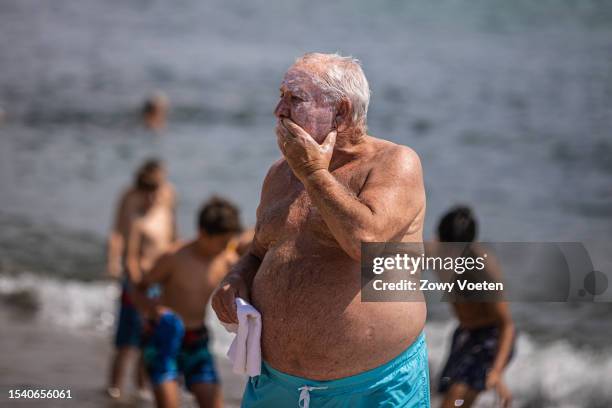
<point x="334" y="188"/>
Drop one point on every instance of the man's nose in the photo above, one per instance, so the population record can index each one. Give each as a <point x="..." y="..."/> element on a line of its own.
<point x="281" y="111"/>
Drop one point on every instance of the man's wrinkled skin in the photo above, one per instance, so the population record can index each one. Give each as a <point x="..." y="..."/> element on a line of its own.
<point x="335" y="187"/>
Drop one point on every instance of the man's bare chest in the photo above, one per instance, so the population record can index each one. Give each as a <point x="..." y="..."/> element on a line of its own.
<point x="287" y="210"/>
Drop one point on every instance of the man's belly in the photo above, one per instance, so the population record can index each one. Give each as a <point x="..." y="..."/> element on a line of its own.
<point x="314" y="324"/>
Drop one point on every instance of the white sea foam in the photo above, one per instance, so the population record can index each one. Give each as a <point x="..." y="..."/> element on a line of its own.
<point x="551" y="374"/>
<point x="555" y="374"/>
<point x="84" y="306"/>
<point x="67" y="303"/>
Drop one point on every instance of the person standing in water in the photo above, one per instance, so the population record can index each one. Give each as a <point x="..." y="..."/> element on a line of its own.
<point x="175" y="340"/>
<point x="334" y="187"/>
<point x="145" y="213"/>
<point x="483" y="342"/>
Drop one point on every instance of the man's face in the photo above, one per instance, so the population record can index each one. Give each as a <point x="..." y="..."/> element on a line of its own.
<point x="303" y="101"/>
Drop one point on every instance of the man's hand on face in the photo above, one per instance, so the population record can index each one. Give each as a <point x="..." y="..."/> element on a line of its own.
<point x="303" y="154"/>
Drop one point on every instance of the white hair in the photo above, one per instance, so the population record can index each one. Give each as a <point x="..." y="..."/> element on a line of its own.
<point x="341" y="77"/>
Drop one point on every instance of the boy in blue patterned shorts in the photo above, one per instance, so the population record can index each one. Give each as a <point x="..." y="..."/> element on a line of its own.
<point x="175" y="338"/>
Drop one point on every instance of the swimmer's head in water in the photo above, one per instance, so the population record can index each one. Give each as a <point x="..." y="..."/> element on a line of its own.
<point x="155" y="104"/>
<point x="154" y="110"/>
<point x="323" y="92"/>
<point x="218" y="222"/>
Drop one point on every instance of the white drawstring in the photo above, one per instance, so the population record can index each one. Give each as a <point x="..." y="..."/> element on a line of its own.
<point x="305" y="395"/>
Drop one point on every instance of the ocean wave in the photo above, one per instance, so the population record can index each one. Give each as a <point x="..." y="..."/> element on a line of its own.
<point x="69" y="304"/>
<point x="541" y="374"/>
<point x="78" y="306"/>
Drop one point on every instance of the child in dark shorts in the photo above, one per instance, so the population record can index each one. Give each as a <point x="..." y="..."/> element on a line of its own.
<point x="484" y="340"/>
<point x="471" y="356"/>
<point x="129" y="325"/>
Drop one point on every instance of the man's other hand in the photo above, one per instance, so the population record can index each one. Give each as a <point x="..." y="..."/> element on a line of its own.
<point x="224" y="298"/>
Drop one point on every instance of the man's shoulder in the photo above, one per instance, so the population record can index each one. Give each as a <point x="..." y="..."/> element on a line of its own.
<point x="276" y="167"/>
<point x="389" y="154"/>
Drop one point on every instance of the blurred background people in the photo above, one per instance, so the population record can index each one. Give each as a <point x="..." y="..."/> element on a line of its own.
<point x="155" y="111"/>
<point x="483" y="342"/>
<point x="242" y="241"/>
<point x="144" y="228"/>
<point x="176" y="338"/>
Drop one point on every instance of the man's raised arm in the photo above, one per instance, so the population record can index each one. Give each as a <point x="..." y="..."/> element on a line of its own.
<point x="383" y="210"/>
<point x="385" y="207"/>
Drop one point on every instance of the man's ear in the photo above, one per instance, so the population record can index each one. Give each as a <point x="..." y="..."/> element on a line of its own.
<point x="343" y="114"/>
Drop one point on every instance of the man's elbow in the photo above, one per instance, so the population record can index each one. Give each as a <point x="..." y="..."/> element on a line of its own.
<point x="367" y="235"/>
<point x="353" y="247"/>
<point x="353" y="251"/>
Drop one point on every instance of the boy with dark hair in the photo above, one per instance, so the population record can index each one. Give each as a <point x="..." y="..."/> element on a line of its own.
<point x="483" y="342"/>
<point x="458" y="225"/>
<point x="176" y="339"/>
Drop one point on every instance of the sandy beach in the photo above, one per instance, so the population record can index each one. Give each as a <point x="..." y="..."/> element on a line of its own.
<point x="35" y="356"/>
<point x="57" y="345"/>
<point x="41" y="357"/>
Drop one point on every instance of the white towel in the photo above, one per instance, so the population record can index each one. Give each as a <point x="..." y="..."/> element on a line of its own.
<point x="245" y="350"/>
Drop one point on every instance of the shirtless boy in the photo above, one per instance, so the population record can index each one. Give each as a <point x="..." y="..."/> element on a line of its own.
<point x="145" y="214"/>
<point x="484" y="340"/>
<point x="176" y="341"/>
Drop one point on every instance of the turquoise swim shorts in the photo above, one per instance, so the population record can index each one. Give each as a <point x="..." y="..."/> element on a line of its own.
<point x="402" y="382"/>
